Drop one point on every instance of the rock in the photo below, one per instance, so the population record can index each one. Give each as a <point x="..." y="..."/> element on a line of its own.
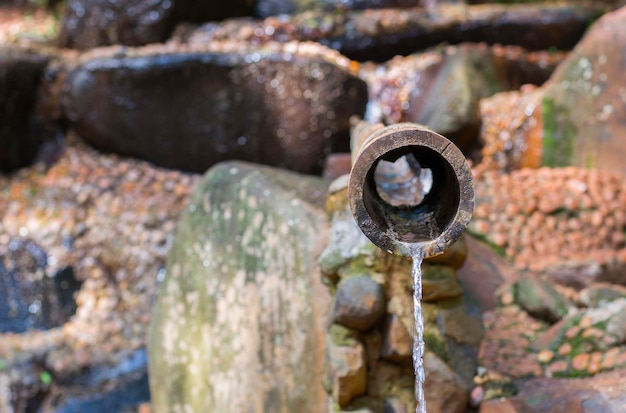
<point x="455" y="256"/>
<point x="444" y="389"/>
<point x="566" y="224"/>
<point x="359" y="304"/>
<point x="347" y="371"/>
<point x="598" y="293"/>
<point x="511" y="131"/>
<point x="379" y="35"/>
<point x="266" y="8"/>
<point x="584" y="104"/>
<point x="29" y="298"/>
<point x="22" y="131"/>
<point x="439" y="283"/>
<point x="452" y="329"/>
<point x="284" y="105"/>
<point x="439" y="89"/>
<point x="92" y="23"/>
<point x="483" y="274"/>
<point x="602" y="393"/>
<point x="117" y="388"/>
<point x="103" y="225"/>
<point x="393" y="405"/>
<point x="540" y="299"/>
<point x="397" y="342"/>
<point x="241" y="305"/>
<point x="589" y="341"/>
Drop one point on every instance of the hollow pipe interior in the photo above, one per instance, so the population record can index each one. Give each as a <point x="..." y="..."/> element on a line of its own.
<point x="432" y="224"/>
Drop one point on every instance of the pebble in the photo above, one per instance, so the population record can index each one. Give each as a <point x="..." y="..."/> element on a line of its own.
<point x="77" y="199"/>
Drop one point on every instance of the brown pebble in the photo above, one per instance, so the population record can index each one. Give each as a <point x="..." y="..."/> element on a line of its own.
<point x="545" y="356"/>
<point x="581" y="361"/>
<point x="565" y="349"/>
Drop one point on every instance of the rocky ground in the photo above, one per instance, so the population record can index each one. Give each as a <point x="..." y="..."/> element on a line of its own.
<point x="547" y="273"/>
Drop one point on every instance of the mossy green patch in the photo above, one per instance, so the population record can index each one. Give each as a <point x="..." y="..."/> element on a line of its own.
<point x="559" y="134"/>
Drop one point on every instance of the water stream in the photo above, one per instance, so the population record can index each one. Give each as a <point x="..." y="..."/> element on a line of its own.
<point x="417" y="255"/>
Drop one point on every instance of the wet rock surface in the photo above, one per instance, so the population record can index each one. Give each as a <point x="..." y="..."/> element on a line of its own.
<point x="284" y="105"/>
<point x="106" y="223"/>
<point x="453" y="328"/>
<point x="381" y="34"/>
<point x="92" y="23"/>
<point x="239" y="322"/>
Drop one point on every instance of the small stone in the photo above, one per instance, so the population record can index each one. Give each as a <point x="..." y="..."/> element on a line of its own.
<point x="558" y="367"/>
<point x="476" y="396"/>
<point x="572" y="332"/>
<point x="545" y="356"/>
<point x="595" y="364"/>
<point x="359" y="304"/>
<point x="565" y="349"/>
<point x="581" y="361"/>
<point x="586" y="322"/>
<point x="347" y="371"/>
<point x="507" y="298"/>
<point x="610" y="358"/>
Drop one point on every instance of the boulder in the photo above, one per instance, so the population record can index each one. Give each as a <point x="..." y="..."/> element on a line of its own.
<point x="21" y="129"/>
<point x="283" y="105"/>
<point x="379" y="35"/>
<point x="92" y="23"/>
<point x="584" y="104"/>
<point x="602" y="393"/>
<point x="240" y="318"/>
<point x="266" y="8"/>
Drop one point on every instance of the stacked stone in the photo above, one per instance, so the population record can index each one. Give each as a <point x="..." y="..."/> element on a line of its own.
<point x="370" y="340"/>
<point x="546" y="218"/>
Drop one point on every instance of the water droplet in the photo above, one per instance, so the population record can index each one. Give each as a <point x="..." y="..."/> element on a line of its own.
<point x="34" y="307"/>
<point x="233" y="171"/>
<point x="242" y="140"/>
<point x="160" y="274"/>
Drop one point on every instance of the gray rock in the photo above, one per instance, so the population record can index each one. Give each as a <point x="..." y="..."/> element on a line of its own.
<point x="359" y="304"/>
<point x="598" y="293"/>
<point x="240" y="319"/>
<point x="540" y="299"/>
<point x="283" y="105"/>
<point x="21" y="130"/>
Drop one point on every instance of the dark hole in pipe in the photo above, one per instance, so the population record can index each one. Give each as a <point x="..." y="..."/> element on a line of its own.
<point x="412" y="222"/>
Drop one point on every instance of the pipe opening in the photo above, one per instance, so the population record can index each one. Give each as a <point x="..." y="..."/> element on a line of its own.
<point x="427" y="202"/>
<point x="403" y="183"/>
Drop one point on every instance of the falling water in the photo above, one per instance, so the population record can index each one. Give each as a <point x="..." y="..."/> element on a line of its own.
<point x="417" y="255"/>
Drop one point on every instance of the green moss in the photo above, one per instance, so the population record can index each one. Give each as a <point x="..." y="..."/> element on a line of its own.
<point x="559" y="134"/>
<point x="437" y="345"/>
<point x="342" y="336"/>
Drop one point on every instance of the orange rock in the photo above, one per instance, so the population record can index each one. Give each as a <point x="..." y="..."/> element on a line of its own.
<point x="581" y="361"/>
